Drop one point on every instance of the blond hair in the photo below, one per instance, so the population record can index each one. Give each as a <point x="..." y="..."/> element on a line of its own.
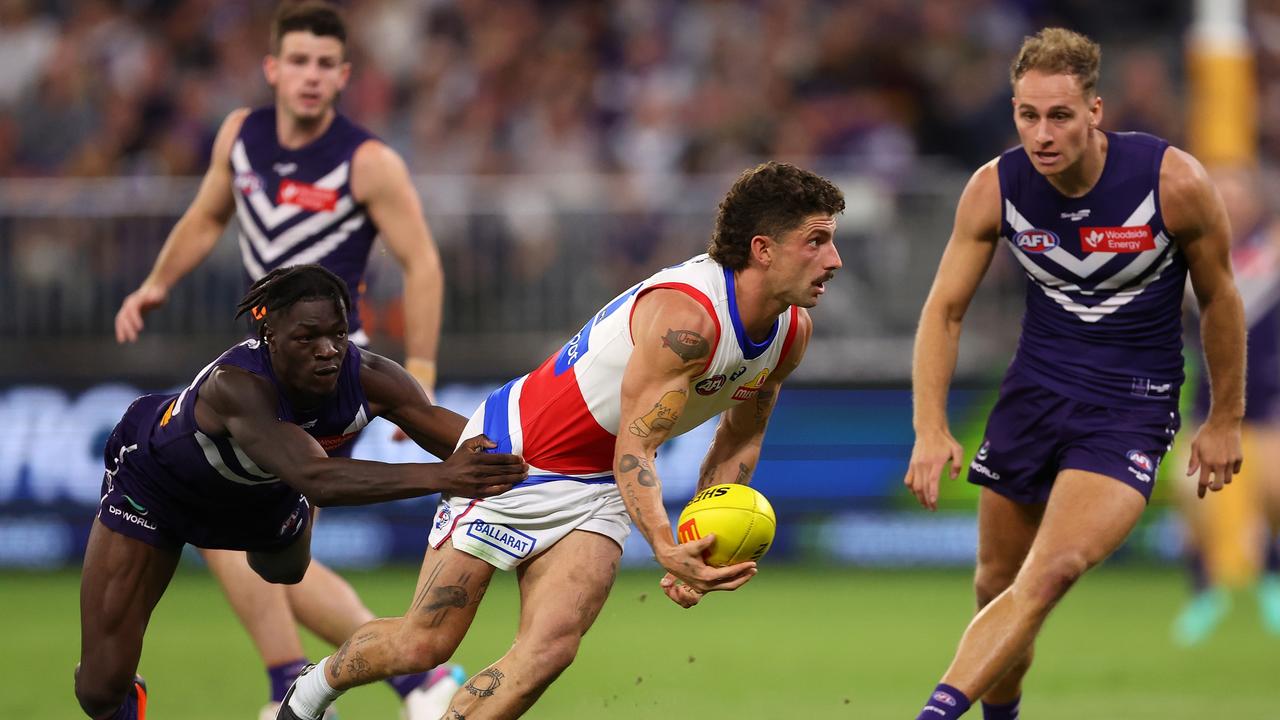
<point x="1058" y="51"/>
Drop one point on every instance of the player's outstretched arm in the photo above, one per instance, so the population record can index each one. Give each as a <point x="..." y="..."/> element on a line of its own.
<point x="964" y="263"/>
<point x="735" y="452"/>
<point x="192" y="238"/>
<point x="243" y="405"/>
<point x="381" y="181"/>
<point x="674" y="338"/>
<point x="1194" y="213"/>
<point x="395" y="395"/>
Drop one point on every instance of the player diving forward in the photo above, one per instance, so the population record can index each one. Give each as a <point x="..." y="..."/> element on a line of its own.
<point x="307" y="185"/>
<point x="238" y="459"/>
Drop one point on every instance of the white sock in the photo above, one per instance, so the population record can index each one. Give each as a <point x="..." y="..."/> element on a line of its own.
<point x="312" y="694"/>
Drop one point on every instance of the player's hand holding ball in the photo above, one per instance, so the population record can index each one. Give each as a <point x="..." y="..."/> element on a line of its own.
<point x="723" y="531"/>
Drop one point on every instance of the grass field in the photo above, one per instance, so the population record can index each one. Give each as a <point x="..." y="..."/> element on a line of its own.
<point x="795" y="643"/>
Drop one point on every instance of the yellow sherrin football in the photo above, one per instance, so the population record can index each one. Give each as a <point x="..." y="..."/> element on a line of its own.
<point x="741" y="519"/>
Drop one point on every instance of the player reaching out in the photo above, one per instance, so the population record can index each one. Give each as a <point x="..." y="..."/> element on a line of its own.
<point x="306" y="185"/>
<point x="238" y="459"/>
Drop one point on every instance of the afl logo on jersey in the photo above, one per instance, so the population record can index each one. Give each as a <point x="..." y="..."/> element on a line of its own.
<point x="710" y="386"/>
<point x="1036" y="240"/>
<point x="249" y="182"/>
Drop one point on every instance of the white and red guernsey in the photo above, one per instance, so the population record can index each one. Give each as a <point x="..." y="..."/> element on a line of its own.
<point x="563" y="417"/>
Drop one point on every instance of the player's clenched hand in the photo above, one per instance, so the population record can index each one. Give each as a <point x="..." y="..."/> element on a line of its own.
<point x="136" y="304"/>
<point x="932" y="452"/>
<point x="686" y="565"/>
<point x="1216" y="454"/>
<point x="472" y="472"/>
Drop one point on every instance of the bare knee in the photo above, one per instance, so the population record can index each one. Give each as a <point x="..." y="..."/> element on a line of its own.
<point x="99" y="696"/>
<point x="420" y="648"/>
<point x="1046" y="585"/>
<point x="552" y="656"/>
<point x="990" y="580"/>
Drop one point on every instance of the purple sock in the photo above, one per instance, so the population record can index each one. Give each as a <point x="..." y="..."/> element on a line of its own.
<point x="283" y="675"/>
<point x="1199" y="573"/>
<point x="1008" y="711"/>
<point x="946" y="703"/>
<point x="128" y="710"/>
<point x="1273" y="556"/>
<point x="405" y="684"/>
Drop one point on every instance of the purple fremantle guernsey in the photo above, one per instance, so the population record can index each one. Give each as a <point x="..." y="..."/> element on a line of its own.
<point x="1105" y="279"/>
<point x="295" y="206"/>
<point x="214" y="470"/>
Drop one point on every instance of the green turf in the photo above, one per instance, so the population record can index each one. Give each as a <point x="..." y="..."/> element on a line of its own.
<point x="795" y="643"/>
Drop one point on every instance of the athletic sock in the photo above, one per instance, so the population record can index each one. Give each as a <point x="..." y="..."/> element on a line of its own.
<point x="946" y="703"/>
<point x="128" y="710"/>
<point x="1273" y="556"/>
<point x="1007" y="711"/>
<point x="312" y="694"/>
<point x="405" y="684"/>
<point x="283" y="675"/>
<point x="1199" y="572"/>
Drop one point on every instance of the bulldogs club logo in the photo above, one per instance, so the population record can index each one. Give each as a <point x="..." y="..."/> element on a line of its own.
<point x="710" y="386"/>
<point x="443" y="517"/>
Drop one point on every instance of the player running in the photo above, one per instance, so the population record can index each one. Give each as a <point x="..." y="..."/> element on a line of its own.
<point x="715" y="335"/>
<point x="1107" y="226"/>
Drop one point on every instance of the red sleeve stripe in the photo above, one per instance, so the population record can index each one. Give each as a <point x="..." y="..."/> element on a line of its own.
<point x="791" y="334"/>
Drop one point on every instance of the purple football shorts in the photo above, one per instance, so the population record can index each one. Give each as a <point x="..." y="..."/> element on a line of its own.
<point x="138" y="501"/>
<point x="1034" y="433"/>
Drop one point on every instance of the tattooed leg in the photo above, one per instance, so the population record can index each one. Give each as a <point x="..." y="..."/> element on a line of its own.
<point x="561" y="593"/>
<point x="450" y="587"/>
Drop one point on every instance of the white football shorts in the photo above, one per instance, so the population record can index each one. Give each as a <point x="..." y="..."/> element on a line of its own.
<point x="508" y="529"/>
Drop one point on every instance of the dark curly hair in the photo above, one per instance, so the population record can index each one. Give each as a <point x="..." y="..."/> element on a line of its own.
<point x="279" y="289"/>
<point x="769" y="199"/>
<point x="318" y="17"/>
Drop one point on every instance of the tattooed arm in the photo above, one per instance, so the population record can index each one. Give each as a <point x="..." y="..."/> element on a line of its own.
<point x="735" y="452"/>
<point x="674" y="339"/>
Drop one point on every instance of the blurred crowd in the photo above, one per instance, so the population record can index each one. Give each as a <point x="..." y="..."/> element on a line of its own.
<point x="648" y="87"/>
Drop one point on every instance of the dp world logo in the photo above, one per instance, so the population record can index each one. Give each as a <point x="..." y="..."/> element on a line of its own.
<point x="1035" y="240"/>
